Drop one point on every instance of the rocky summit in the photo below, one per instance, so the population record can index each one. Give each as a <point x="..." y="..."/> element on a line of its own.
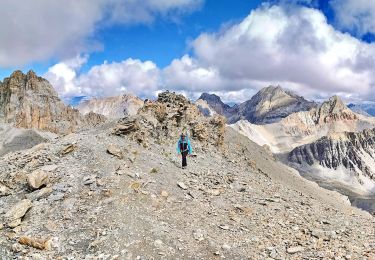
<point x="29" y="101"/>
<point x="169" y="116"/>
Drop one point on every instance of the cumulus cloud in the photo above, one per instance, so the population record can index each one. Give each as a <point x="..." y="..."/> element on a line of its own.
<point x="274" y="45"/>
<point x="357" y="16"/>
<point x="36" y="30"/>
<point x="107" y="79"/>
<point x="294" y="47"/>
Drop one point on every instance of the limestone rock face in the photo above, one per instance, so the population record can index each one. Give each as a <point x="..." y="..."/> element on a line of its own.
<point x="29" y="101"/>
<point x="168" y="117"/>
<point x="112" y="107"/>
<point x="349" y="151"/>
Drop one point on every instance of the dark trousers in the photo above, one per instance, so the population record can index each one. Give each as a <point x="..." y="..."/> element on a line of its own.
<point x="184" y="161"/>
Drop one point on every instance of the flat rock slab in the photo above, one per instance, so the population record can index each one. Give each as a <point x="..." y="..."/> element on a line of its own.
<point x="295" y="249"/>
<point x="18" y="211"/>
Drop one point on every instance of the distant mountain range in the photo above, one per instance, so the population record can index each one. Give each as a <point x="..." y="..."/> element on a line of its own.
<point x="269" y="105"/>
<point x="112" y="107"/>
<point x="329" y="140"/>
<point x="364" y="109"/>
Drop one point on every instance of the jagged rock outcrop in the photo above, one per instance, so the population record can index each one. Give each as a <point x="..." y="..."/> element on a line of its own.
<point x="269" y="105"/>
<point x="29" y="101"/>
<point x="112" y="107"/>
<point x="170" y="115"/>
<point x="351" y="151"/>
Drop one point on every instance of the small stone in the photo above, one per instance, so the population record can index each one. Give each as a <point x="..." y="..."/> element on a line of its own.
<point x="18" y="211"/>
<point x="16" y="248"/>
<point x="37" y="179"/>
<point x="226" y="247"/>
<point x="295" y="249"/>
<point x="89" y="180"/>
<point x="115" y="150"/>
<point x="182" y="185"/>
<point x="40" y="194"/>
<point x="1" y="226"/>
<point x="158" y="243"/>
<point x="4" y="190"/>
<point x="49" y="168"/>
<point x="224" y="227"/>
<point x="198" y="235"/>
<point x="164" y="194"/>
<point x="214" y="192"/>
<point x="68" y="149"/>
<point x="34" y="242"/>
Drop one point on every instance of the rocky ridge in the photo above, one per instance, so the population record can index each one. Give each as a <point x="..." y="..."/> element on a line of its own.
<point x="112" y="107"/>
<point x="170" y="115"/>
<point x="29" y="101"/>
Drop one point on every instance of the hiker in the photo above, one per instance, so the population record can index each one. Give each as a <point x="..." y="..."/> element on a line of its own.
<point x="184" y="148"/>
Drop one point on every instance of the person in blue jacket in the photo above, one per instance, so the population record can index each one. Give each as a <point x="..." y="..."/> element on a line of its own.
<point x="184" y="148"/>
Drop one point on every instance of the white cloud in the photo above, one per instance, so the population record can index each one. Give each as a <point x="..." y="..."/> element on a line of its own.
<point x="107" y="79"/>
<point x="294" y="47"/>
<point x="36" y="30"/>
<point x="355" y="15"/>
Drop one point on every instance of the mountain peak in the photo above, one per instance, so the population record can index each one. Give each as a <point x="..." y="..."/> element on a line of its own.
<point x="210" y="97"/>
<point x="29" y="101"/>
<point x="332" y="110"/>
<point x="216" y="104"/>
<point x="17" y="74"/>
<point x="334" y="105"/>
<point x="112" y="107"/>
<point x="31" y="74"/>
<point x="273" y="103"/>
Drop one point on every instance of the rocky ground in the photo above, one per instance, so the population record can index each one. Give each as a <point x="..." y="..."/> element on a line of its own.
<point x="95" y="195"/>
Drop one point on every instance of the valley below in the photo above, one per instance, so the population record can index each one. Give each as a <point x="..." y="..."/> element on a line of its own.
<point x="365" y="201"/>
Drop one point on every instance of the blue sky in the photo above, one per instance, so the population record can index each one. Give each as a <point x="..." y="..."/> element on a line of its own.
<point x="161" y="41"/>
<point x="144" y="47"/>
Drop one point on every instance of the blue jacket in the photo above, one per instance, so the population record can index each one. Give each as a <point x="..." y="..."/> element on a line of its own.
<point x="190" y="149"/>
